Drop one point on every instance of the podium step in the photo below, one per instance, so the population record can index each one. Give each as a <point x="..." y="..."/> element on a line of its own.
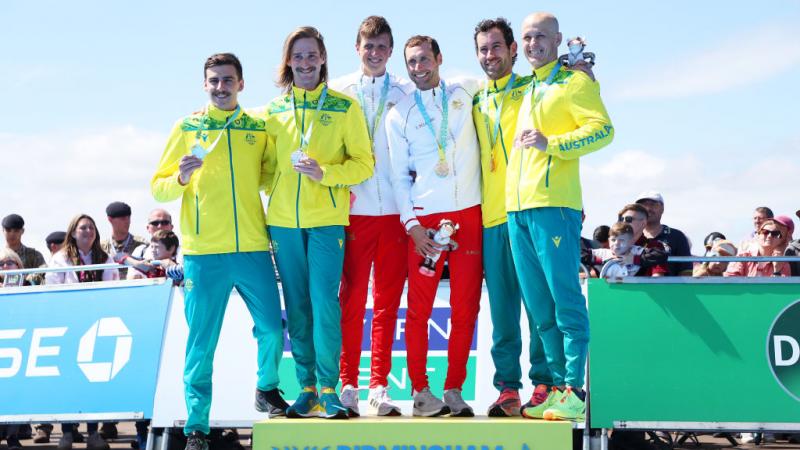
<point x="412" y="433"/>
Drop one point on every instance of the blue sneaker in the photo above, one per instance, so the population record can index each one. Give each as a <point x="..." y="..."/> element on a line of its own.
<point x="306" y="405"/>
<point x="331" y="406"/>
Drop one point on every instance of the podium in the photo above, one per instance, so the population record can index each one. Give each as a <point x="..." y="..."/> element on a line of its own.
<point x="412" y="433"/>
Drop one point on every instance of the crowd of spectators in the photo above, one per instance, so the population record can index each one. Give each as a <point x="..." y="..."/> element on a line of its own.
<point x="638" y="244"/>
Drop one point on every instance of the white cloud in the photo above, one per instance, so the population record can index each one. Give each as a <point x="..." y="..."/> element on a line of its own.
<point x="744" y="58"/>
<point x="699" y="196"/>
<point x="49" y="178"/>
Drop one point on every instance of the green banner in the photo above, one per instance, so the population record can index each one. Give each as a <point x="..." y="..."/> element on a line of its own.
<point x="694" y="353"/>
<point x="398" y="379"/>
<point x="406" y="433"/>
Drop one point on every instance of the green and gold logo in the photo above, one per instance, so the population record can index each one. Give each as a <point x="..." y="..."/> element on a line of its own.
<point x="326" y="119"/>
<point x="188" y="285"/>
<point x="557" y="240"/>
<point x="250" y="138"/>
<point x="783" y="349"/>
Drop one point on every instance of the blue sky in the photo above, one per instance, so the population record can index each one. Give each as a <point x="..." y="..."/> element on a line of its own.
<point x="702" y="95"/>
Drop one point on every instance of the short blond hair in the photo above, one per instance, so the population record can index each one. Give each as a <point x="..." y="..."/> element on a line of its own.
<point x="7" y="253"/>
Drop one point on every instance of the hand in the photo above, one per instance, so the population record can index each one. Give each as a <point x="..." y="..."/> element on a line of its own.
<point x="626" y="258"/>
<point x="309" y="167"/>
<point x="187" y="166"/>
<point x="532" y="138"/>
<point x="585" y="67"/>
<point x="143" y="266"/>
<point x="424" y="245"/>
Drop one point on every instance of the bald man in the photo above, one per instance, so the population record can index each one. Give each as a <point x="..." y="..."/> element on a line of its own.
<point x="158" y="219"/>
<point x="561" y="119"/>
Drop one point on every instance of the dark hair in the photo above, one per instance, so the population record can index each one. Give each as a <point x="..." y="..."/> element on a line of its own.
<point x="620" y="228"/>
<point x="223" y="59"/>
<point x="416" y="41"/>
<point x="601" y="233"/>
<point x="633" y="207"/>
<point x="501" y="24"/>
<point x="372" y="27"/>
<point x="708" y="242"/>
<point x="285" y="74"/>
<point x="166" y="237"/>
<point x="766" y="211"/>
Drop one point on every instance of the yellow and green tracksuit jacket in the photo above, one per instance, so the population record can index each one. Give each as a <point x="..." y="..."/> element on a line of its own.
<point x="571" y="115"/>
<point x="339" y="143"/>
<point x="493" y="205"/>
<point x="221" y="209"/>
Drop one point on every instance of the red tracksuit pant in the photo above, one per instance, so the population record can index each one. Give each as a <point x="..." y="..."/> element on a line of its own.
<point x="382" y="240"/>
<point x="466" y="276"/>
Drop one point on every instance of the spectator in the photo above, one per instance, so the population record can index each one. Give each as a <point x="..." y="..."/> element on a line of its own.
<point x="793" y="249"/>
<point x="13" y="229"/>
<point x="674" y="241"/>
<point x="654" y="254"/>
<point x="773" y="237"/>
<point x="625" y="254"/>
<point x="122" y="242"/>
<point x="760" y="214"/>
<point x="600" y="235"/>
<point x="709" y="241"/>
<point x="55" y="241"/>
<point x="159" y="219"/>
<point x="719" y="247"/>
<point x="163" y="249"/>
<point x="9" y="260"/>
<point x="9" y="433"/>
<point x="81" y="246"/>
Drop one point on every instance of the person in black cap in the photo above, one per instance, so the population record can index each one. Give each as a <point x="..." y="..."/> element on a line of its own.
<point x="13" y="229"/>
<point x="122" y="242"/>
<point x="675" y="242"/>
<point x="55" y="241"/>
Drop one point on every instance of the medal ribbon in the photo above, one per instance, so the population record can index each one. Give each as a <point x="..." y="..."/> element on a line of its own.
<point x="224" y="128"/>
<point x="441" y="142"/>
<point x="373" y="128"/>
<point x="305" y="138"/>
<point x="538" y="97"/>
<point x="499" y="109"/>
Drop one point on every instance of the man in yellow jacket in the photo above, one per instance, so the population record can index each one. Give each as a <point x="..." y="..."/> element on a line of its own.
<point x="216" y="161"/>
<point x="561" y="119"/>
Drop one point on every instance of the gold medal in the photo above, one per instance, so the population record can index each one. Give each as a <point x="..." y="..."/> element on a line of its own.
<point x="492" y="164"/>
<point x="442" y="169"/>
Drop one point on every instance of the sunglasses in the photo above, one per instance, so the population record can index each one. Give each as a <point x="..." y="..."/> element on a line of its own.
<point x="8" y="263"/>
<point x="160" y="223"/>
<point x="626" y="219"/>
<point x="773" y="233"/>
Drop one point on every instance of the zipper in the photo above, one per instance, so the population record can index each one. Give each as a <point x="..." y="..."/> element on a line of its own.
<point x="233" y="191"/>
<point x="330" y="191"/>
<point x="196" y="215"/>
<point x="378" y="187"/>
<point x="299" y="176"/>
<point x="274" y="186"/>
<point x="519" y="180"/>
<point x="547" y="174"/>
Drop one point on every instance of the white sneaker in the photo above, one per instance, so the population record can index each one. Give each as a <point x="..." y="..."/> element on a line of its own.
<point x="748" y="438"/>
<point x="349" y="400"/>
<point x="380" y="404"/>
<point x="427" y="405"/>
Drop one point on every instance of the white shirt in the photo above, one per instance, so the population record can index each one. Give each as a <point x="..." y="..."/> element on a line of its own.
<point x="412" y="148"/>
<point x="374" y="197"/>
<point x="60" y="260"/>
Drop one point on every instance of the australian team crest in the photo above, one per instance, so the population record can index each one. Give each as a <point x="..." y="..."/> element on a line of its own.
<point x="325" y="119"/>
<point x="457" y="104"/>
<point x="517" y="93"/>
<point x="250" y="138"/>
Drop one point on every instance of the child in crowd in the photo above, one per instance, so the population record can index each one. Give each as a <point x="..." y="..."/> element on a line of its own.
<point x="164" y="247"/>
<point x="622" y="258"/>
<point x="718" y="247"/>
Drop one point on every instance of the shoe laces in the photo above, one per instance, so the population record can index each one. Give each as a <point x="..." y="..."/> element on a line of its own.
<point x="383" y="394"/>
<point x="508" y="394"/>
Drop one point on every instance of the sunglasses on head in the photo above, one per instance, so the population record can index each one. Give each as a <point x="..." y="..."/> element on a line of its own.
<point x="774" y="233"/>
<point x="157" y="223"/>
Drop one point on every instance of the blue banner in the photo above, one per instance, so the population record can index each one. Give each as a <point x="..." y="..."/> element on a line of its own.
<point x="438" y="331"/>
<point x="84" y="351"/>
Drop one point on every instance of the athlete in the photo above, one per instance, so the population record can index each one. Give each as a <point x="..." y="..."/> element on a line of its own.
<point x="216" y="161"/>
<point x="561" y="119"/>
<point x="375" y="234"/>
<point x="431" y="134"/>
<point x="494" y="111"/>
<point x="322" y="148"/>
